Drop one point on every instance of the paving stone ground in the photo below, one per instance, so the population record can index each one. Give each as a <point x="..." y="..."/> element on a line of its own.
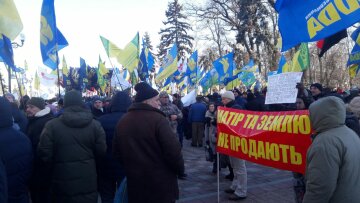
<point x="265" y="184"/>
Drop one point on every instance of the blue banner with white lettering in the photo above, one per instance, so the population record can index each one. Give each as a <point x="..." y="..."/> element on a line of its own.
<point x="313" y="20"/>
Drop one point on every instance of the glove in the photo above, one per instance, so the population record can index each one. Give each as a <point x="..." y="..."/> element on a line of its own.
<point x="214" y="122"/>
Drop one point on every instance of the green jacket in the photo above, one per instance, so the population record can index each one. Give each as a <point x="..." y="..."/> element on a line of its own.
<point x="333" y="159"/>
<point x="71" y="145"/>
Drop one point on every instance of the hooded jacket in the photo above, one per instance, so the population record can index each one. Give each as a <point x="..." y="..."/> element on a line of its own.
<point x="121" y="101"/>
<point x="16" y="154"/>
<point x="333" y="159"/>
<point x="70" y="145"/>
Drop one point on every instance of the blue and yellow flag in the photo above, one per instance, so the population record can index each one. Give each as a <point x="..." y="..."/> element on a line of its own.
<point x="356" y="37"/>
<point x="224" y="66"/>
<point x="211" y="78"/>
<point x="192" y="66"/>
<point x="283" y="65"/>
<point x="145" y="64"/>
<point x="10" y="22"/>
<point x="169" y="65"/>
<point x="65" y="73"/>
<point x="353" y="70"/>
<point x="308" y="21"/>
<point x="6" y="52"/>
<point x="51" y="39"/>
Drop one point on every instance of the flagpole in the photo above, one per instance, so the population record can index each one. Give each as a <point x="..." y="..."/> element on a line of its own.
<point x="19" y="87"/>
<point x="2" y="85"/>
<point x="9" y="77"/>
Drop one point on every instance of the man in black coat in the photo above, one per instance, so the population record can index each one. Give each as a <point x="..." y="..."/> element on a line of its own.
<point x="38" y="116"/>
<point x="16" y="157"/>
<point x="110" y="171"/>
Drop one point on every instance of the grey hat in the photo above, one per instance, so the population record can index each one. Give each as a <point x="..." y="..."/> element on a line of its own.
<point x="229" y="95"/>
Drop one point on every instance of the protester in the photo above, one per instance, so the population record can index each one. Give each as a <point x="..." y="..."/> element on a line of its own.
<point x="316" y="91"/>
<point x="97" y="107"/>
<point x="16" y="156"/>
<point x="110" y="171"/>
<point x="197" y="120"/>
<point x="172" y="112"/>
<point x="71" y="146"/>
<point x="238" y="188"/>
<point x="353" y="115"/>
<point x="239" y="99"/>
<point x="333" y="161"/>
<point x="210" y="133"/>
<point x="3" y="183"/>
<point x="38" y="116"/>
<point x="181" y="122"/>
<point x="147" y="146"/>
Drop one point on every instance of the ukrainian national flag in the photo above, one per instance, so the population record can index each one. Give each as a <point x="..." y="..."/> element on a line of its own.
<point x="169" y="66"/>
<point x="353" y="70"/>
<point x="283" y="65"/>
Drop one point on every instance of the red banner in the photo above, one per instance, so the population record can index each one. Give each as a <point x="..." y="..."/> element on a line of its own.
<point x="276" y="139"/>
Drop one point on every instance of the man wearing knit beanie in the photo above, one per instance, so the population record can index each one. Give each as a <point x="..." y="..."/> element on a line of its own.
<point x="73" y="144"/>
<point x="144" y="140"/>
<point x="38" y="116"/>
<point x="238" y="188"/>
<point x="316" y="90"/>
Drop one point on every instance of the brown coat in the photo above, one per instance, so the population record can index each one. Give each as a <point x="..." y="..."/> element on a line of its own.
<point x="150" y="153"/>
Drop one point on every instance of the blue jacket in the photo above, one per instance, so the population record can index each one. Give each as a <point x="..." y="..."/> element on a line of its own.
<point x="197" y="112"/>
<point x="121" y="101"/>
<point x="3" y="183"/>
<point x="16" y="152"/>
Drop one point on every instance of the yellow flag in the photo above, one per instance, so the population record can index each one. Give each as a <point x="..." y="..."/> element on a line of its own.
<point x="10" y="22"/>
<point x="129" y="56"/>
<point x="295" y="65"/>
<point x="353" y="70"/>
<point x="102" y="69"/>
<point x="37" y="81"/>
<point x="65" y="70"/>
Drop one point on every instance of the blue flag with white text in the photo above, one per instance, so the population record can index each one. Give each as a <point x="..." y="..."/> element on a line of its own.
<point x="308" y="21"/>
<point x="51" y="39"/>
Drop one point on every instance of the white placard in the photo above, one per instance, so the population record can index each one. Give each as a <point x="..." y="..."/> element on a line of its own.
<point x="282" y="88"/>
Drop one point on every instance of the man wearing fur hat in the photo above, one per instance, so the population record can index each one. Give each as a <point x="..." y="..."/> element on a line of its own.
<point x="238" y="188"/>
<point x="38" y="115"/>
<point x="147" y="147"/>
<point x="71" y="146"/>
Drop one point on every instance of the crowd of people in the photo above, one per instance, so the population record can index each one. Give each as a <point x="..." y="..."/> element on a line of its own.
<point x="85" y="147"/>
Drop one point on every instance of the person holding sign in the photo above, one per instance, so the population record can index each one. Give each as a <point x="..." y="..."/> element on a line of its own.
<point x="238" y="188"/>
<point x="333" y="159"/>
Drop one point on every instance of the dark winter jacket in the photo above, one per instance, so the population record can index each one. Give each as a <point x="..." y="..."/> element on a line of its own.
<point x="241" y="101"/>
<point x="352" y="122"/>
<point x="19" y="118"/>
<point x="233" y="105"/>
<point x="197" y="112"/>
<point x="16" y="154"/>
<point x="150" y="153"/>
<point x="119" y="105"/>
<point x="71" y="145"/>
<point x="3" y="183"/>
<point x="97" y="113"/>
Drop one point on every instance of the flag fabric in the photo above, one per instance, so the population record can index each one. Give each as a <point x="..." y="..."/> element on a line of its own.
<point x="248" y="79"/>
<point x="10" y="22"/>
<point x="111" y="49"/>
<point x="301" y="21"/>
<point x="283" y="65"/>
<point x="192" y="67"/>
<point x="353" y="70"/>
<point x="51" y="39"/>
<point x="47" y="79"/>
<point x="102" y="69"/>
<point x="354" y="58"/>
<point x="37" y="81"/>
<point x="211" y="78"/>
<point x="145" y="64"/>
<point x="129" y="56"/>
<point x="224" y="66"/>
<point x="331" y="41"/>
<point x="65" y="73"/>
<point x="301" y="59"/>
<point x="169" y="64"/>
<point x="100" y="76"/>
<point x="356" y="37"/>
<point x="6" y="52"/>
